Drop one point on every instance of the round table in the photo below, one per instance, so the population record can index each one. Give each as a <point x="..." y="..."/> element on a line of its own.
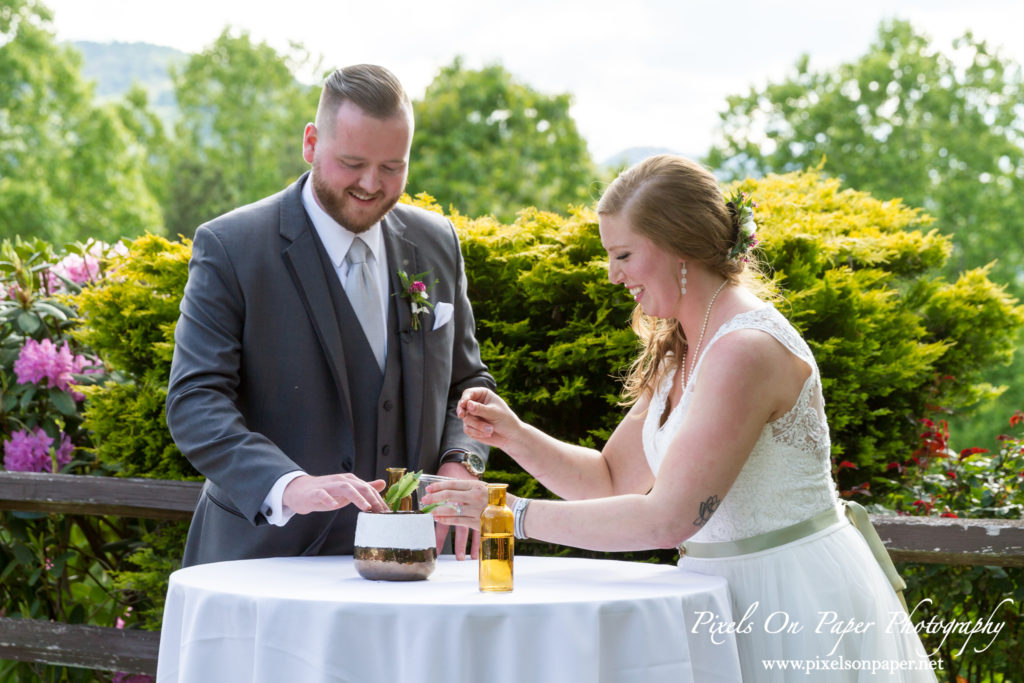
<point x="315" y="619"/>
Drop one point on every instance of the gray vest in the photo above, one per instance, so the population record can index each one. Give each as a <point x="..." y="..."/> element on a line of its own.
<point x="378" y="409"/>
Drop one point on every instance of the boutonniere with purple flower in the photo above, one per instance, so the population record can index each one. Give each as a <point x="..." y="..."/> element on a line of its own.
<point x="416" y="291"/>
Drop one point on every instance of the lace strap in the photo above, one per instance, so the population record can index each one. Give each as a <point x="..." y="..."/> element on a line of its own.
<point x="768" y="320"/>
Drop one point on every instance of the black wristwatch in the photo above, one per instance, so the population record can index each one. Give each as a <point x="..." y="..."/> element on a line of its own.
<point x="473" y="463"/>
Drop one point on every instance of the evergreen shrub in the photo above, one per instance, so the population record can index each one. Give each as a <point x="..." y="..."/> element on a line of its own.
<point x="128" y="318"/>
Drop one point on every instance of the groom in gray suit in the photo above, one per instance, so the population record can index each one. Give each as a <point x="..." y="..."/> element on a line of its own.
<point x="302" y="369"/>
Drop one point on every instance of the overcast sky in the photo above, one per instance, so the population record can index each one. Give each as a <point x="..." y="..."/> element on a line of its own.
<point x="641" y="73"/>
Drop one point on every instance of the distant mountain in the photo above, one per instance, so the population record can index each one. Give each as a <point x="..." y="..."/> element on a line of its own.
<point x="115" y="66"/>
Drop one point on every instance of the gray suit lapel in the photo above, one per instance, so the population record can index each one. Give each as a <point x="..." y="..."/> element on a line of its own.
<point x="402" y="255"/>
<point x="303" y="262"/>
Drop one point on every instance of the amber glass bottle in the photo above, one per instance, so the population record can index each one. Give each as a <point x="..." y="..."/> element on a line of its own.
<point x="496" y="542"/>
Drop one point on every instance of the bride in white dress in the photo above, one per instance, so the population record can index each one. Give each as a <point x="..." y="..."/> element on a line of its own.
<point x="724" y="452"/>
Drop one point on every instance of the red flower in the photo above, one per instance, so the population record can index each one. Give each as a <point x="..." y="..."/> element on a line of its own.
<point x="951" y="474"/>
<point x="967" y="452"/>
<point x="947" y="513"/>
<point x="846" y="464"/>
<point x="1017" y="418"/>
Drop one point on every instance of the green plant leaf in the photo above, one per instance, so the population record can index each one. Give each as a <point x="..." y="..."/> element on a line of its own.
<point x="401" y="488"/>
<point x="64" y="402"/>
<point x="29" y="323"/>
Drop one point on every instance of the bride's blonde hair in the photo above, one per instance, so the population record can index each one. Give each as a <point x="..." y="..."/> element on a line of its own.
<point x="678" y="205"/>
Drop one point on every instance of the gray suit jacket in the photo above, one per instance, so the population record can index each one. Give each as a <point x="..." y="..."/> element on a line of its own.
<point x="258" y="384"/>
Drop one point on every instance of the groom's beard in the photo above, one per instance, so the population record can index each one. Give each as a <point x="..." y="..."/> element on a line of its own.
<point x="343" y="209"/>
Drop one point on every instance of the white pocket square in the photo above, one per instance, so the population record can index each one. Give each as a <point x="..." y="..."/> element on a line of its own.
<point x="442" y="314"/>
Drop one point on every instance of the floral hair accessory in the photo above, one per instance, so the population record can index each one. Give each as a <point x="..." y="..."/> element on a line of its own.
<point x="415" y="291"/>
<point x="741" y="209"/>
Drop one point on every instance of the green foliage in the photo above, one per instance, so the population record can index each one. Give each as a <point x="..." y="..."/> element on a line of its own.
<point x="128" y="422"/>
<point x="892" y="337"/>
<point x="150" y="136"/>
<point x="400" y="489"/>
<point x="128" y="318"/>
<point x="146" y="572"/>
<point x="942" y="131"/>
<point x="552" y="329"/>
<point x="905" y="121"/>
<point x="69" y="169"/>
<point x="975" y="482"/>
<point x="487" y="144"/>
<point x="240" y="132"/>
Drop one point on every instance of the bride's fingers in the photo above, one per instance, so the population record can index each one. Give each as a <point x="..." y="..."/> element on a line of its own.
<point x="475" y="428"/>
<point x="472" y="395"/>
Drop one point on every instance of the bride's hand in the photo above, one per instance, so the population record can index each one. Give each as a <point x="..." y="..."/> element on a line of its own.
<point x="460" y="501"/>
<point x="487" y="418"/>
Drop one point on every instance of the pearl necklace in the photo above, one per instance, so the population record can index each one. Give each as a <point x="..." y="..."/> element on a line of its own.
<point x="700" y="339"/>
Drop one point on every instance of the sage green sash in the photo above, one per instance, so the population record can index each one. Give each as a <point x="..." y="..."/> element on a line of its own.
<point x="855" y="512"/>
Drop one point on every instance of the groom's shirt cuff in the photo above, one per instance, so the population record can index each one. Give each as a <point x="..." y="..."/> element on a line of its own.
<point x="274" y="509"/>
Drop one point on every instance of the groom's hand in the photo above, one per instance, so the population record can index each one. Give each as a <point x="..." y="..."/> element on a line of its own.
<point x="456" y="470"/>
<point x="307" y="493"/>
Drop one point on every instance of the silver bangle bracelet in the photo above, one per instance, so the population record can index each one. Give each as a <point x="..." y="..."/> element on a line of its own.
<point x="519" y="518"/>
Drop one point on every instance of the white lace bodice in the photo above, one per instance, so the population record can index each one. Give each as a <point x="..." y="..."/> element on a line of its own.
<point x="787" y="477"/>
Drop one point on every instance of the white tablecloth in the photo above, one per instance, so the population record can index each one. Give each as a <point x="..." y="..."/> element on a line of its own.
<point x="310" y="619"/>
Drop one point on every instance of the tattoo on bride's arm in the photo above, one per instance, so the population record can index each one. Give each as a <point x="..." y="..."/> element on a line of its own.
<point x="707" y="508"/>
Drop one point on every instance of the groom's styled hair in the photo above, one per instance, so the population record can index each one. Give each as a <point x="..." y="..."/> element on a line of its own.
<point x="372" y="88"/>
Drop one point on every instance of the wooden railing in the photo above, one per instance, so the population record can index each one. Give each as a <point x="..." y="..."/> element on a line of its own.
<point x="929" y="540"/>
<point x="91" y="647"/>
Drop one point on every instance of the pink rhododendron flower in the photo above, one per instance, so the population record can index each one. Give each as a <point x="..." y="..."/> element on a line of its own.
<point x="76" y="268"/>
<point x="29" y="451"/>
<point x="83" y="268"/>
<point x="44" y="363"/>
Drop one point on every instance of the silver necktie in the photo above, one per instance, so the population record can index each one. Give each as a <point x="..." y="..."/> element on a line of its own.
<point x="361" y="289"/>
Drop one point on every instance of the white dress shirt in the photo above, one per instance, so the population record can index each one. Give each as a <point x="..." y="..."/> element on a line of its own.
<point x="336" y="239"/>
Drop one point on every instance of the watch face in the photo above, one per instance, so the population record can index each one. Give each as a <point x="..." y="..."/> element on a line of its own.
<point x="475" y="462"/>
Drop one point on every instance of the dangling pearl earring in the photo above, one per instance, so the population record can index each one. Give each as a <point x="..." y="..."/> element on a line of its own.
<point x="682" y="279"/>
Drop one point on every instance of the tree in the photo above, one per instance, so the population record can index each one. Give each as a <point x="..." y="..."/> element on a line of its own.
<point x="149" y="138"/>
<point x="240" y="133"/>
<point x="902" y="121"/>
<point x="486" y="144"/>
<point x="68" y="169"/>
<point x="942" y="132"/>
